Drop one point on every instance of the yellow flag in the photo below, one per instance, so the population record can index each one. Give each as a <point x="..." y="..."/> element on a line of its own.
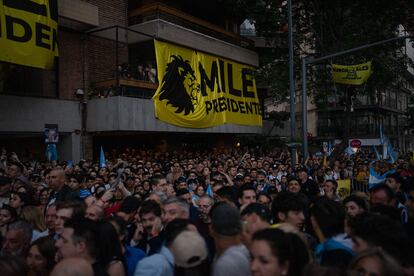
<point x="351" y="74"/>
<point x="344" y="188"/>
<point x="199" y="90"/>
<point x="28" y="32"/>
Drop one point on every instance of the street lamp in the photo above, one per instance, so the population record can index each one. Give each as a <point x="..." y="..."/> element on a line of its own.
<point x="291" y="84"/>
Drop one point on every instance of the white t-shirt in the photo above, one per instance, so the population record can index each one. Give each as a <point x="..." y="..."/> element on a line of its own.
<point x="235" y="261"/>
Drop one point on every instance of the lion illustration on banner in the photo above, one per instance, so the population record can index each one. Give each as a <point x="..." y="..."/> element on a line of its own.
<point x="179" y="86"/>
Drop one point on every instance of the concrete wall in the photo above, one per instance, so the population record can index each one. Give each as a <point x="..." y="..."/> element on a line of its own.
<point x="80" y="11"/>
<point x="25" y="114"/>
<point x="69" y="147"/>
<point x="131" y="114"/>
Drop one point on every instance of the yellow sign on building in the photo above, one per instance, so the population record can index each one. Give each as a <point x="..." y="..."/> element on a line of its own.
<point x="351" y="74"/>
<point x="198" y="90"/>
<point x="28" y="32"/>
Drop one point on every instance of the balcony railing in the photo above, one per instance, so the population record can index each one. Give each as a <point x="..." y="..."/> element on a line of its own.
<point x="358" y="103"/>
<point x="128" y="87"/>
<point x="357" y="129"/>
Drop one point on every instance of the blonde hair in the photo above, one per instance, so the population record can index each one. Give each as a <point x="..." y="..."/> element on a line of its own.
<point x="34" y="216"/>
<point x="389" y="266"/>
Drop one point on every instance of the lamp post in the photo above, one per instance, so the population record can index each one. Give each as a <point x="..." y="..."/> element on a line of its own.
<point x="291" y="84"/>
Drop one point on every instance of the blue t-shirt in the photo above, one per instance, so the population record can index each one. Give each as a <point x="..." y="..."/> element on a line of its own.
<point x="132" y="256"/>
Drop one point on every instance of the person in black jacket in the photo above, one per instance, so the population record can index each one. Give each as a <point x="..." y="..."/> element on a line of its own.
<point x="149" y="234"/>
<point x="60" y="191"/>
<point x="308" y="186"/>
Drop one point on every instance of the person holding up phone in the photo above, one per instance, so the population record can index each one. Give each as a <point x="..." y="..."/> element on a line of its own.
<point x="149" y="235"/>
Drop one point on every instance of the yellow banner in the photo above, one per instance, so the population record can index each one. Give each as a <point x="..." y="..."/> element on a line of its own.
<point x="28" y="32"/>
<point x="353" y="74"/>
<point x="198" y="90"/>
<point x="344" y="188"/>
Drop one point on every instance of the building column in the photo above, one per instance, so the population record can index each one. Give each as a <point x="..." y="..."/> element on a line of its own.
<point x="69" y="147"/>
<point x="87" y="147"/>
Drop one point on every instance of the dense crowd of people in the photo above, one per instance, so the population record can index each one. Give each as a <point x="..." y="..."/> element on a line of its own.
<point x="228" y="211"/>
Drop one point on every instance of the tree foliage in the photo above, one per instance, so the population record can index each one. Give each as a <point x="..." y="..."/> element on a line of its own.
<point x="327" y="26"/>
<point x="410" y="113"/>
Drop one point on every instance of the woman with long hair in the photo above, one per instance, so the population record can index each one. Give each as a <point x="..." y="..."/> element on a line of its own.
<point x="34" y="216"/>
<point x="276" y="253"/>
<point x="18" y="200"/>
<point x="330" y="187"/>
<point x="197" y="194"/>
<point x="41" y="256"/>
<point x="110" y="250"/>
<point x="43" y="197"/>
<point x="8" y="215"/>
<point x="131" y="255"/>
<point x="376" y="262"/>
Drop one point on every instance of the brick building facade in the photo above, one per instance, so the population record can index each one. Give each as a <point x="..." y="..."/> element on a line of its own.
<point x="89" y="56"/>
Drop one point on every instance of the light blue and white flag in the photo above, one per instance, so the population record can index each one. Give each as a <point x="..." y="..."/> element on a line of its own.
<point x="392" y="153"/>
<point x="350" y="151"/>
<point x="385" y="150"/>
<point x="325" y="147"/>
<point x="376" y="153"/>
<point x="375" y="179"/>
<point x="330" y="148"/>
<point x="102" y="162"/>
<point x="381" y="135"/>
<point x="209" y="191"/>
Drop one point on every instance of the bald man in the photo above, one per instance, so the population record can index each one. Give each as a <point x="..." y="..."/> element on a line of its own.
<point x="72" y="267"/>
<point x="60" y="191"/>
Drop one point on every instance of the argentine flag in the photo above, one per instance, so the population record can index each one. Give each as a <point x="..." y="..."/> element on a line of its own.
<point x="330" y="148"/>
<point x="382" y="140"/>
<point x="393" y="155"/>
<point x="376" y="153"/>
<point x="209" y="191"/>
<point x="102" y="162"/>
<point x="375" y="179"/>
<point x="350" y="151"/>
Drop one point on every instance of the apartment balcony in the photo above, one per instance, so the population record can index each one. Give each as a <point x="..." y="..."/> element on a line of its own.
<point x="122" y="78"/>
<point x="169" y="24"/>
<point x="364" y="130"/>
<point x="121" y="63"/>
<point x="384" y="106"/>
